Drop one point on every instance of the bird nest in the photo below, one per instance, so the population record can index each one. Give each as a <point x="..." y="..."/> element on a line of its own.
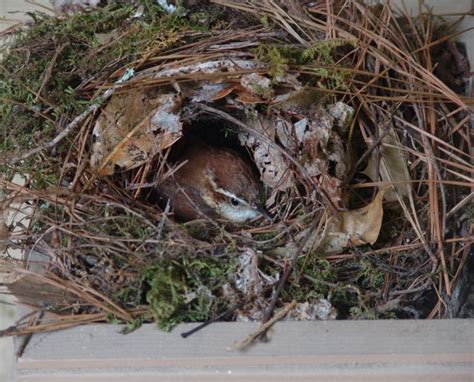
<point x="359" y="139"/>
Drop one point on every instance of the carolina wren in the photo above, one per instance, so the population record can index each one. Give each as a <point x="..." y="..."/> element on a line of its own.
<point x="214" y="182"/>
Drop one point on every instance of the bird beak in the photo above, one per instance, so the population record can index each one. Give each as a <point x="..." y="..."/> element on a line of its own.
<point x="263" y="211"/>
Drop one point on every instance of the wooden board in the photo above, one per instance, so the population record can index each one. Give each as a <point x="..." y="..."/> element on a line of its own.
<point x="410" y="350"/>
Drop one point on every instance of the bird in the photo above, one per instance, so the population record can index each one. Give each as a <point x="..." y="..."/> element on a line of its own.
<point x="213" y="182"/>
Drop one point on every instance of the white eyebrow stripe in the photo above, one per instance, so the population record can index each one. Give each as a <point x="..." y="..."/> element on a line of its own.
<point x="230" y="195"/>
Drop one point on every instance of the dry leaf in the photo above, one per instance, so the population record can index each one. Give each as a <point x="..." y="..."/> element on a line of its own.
<point x="249" y="99"/>
<point x="268" y="159"/>
<point x="342" y="114"/>
<point x="9" y="269"/>
<point x="289" y="80"/>
<point x="134" y="127"/>
<point x="393" y="167"/>
<point x="247" y="277"/>
<point x="252" y="89"/>
<point x="338" y="155"/>
<point x="363" y="225"/>
<point x="224" y="92"/>
<point x="285" y="131"/>
<point x="357" y="227"/>
<point x="319" y="144"/>
<point x="301" y="101"/>
<point x="209" y="92"/>
<point x="311" y="140"/>
<point x="73" y="6"/>
<point x="106" y="38"/>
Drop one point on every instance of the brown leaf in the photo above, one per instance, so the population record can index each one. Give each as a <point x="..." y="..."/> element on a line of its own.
<point x="363" y="225"/>
<point x="357" y="227"/>
<point x="249" y="99"/>
<point x="225" y="92"/>
<point x="134" y="127"/>
<point x="392" y="168"/>
<point x="268" y="159"/>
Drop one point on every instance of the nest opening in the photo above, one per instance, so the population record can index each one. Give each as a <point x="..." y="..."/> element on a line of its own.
<point x="214" y="131"/>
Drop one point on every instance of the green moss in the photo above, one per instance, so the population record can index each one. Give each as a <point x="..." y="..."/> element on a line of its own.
<point x="344" y="298"/>
<point x="369" y="276"/>
<point x="166" y="295"/>
<point x="275" y="57"/>
<point x="310" y="280"/>
<point x="38" y="77"/>
<point x="185" y="289"/>
<point x="265" y="21"/>
<point x="318" y="60"/>
<point x="123" y="224"/>
<point x="42" y="179"/>
<point x="324" y="50"/>
<point x="133" y="325"/>
<point x="362" y="312"/>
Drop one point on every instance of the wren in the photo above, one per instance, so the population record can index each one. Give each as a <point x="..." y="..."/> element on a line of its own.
<point x="214" y="182"/>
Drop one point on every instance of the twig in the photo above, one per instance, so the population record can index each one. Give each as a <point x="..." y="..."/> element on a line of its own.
<point x="26" y="340"/>
<point x="240" y="345"/>
<point x="68" y="129"/>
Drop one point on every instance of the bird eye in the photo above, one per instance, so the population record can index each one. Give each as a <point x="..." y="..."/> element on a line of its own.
<point x="234" y="202"/>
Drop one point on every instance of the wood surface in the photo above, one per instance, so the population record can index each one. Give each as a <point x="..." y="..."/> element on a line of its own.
<point x="410" y="350"/>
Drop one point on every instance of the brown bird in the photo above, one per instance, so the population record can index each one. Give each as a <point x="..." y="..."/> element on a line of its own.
<point x="214" y="182"/>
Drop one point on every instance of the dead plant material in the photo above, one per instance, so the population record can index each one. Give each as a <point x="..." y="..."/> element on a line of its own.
<point x="241" y="345"/>
<point x="351" y="114"/>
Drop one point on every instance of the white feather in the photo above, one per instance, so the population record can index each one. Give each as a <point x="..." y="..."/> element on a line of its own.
<point x="237" y="214"/>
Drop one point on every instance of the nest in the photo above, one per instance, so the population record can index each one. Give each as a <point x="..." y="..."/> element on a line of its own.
<point x="360" y="140"/>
